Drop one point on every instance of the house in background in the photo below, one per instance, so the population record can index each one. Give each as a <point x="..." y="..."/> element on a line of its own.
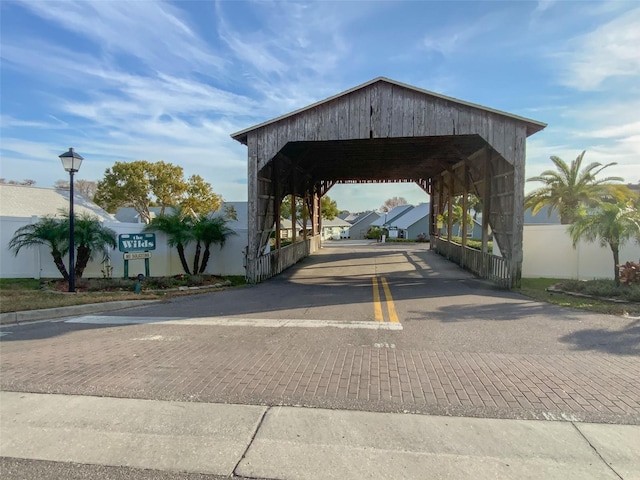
<point x="360" y="226"/>
<point x="392" y="215"/>
<point x="474" y="229"/>
<point x="331" y="229"/>
<point x="335" y="229"/>
<point x="542" y="217"/>
<point x="411" y="224"/>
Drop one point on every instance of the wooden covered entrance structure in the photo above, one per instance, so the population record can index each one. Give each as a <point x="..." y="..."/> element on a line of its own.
<point x="384" y="131"/>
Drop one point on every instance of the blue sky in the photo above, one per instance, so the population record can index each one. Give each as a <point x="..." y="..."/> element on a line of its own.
<point x="134" y="80"/>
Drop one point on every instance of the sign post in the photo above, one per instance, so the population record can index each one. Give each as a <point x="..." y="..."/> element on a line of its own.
<point x="136" y="246"/>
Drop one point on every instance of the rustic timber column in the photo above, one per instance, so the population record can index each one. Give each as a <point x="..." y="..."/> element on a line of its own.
<point x="305" y="203"/>
<point x="432" y="216"/>
<point x="486" y="203"/>
<point x="486" y="213"/>
<point x="465" y="212"/>
<point x="314" y="211"/>
<point x="518" y="208"/>
<point x="253" y="217"/>
<point x="278" y="203"/>
<point x="293" y="218"/>
<point x="450" y="208"/>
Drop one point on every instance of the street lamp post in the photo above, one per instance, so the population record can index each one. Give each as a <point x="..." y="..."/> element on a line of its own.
<point x="71" y="162"/>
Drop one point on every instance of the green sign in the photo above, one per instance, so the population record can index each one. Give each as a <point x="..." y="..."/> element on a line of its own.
<point x="136" y="242"/>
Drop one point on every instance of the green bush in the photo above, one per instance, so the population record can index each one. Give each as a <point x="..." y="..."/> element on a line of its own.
<point x="375" y="233"/>
<point x="473" y="243"/>
<point x="602" y="288"/>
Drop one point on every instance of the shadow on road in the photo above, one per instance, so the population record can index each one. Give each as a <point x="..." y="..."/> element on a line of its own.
<point x="624" y="341"/>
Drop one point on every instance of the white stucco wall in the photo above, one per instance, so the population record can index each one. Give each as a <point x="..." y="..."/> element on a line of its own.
<point x="38" y="263"/>
<point x="548" y="252"/>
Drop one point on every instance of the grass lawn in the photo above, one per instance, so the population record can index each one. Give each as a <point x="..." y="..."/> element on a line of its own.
<point x="27" y="294"/>
<point x="537" y="288"/>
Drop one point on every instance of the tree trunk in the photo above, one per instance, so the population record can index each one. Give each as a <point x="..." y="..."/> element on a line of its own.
<point x="57" y="259"/>
<point x="205" y="258"/>
<point x="196" y="258"/>
<point x="616" y="262"/>
<point x="183" y="260"/>
<point x="82" y="258"/>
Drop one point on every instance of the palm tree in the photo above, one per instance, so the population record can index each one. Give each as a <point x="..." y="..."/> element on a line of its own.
<point x="178" y="228"/>
<point x="209" y="231"/>
<point x="48" y="231"/>
<point x="613" y="224"/>
<point x="569" y="188"/>
<point x="91" y="237"/>
<point x="457" y="215"/>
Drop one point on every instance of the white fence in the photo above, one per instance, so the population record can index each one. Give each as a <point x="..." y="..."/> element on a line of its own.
<point x="548" y="252"/>
<point x="38" y="263"/>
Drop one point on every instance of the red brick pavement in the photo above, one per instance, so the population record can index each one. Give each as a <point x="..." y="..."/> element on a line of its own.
<point x="229" y="364"/>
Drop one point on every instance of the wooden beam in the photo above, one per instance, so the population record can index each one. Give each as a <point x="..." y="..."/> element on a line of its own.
<point x="486" y="203"/>
<point x="465" y="209"/>
<point x="450" y="208"/>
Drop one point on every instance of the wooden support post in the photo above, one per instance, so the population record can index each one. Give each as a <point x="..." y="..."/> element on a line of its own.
<point x="486" y="213"/>
<point x="277" y="188"/>
<point x="294" y="226"/>
<point x="465" y="213"/>
<point x="432" y="214"/>
<point x="516" y="257"/>
<point x="450" y="208"/>
<point x="486" y="203"/>
<point x="305" y="199"/>
<point x="253" y="226"/>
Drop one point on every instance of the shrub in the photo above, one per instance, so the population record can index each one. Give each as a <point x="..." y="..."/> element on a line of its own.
<point x="375" y="233"/>
<point x="602" y="289"/>
<point x="630" y="273"/>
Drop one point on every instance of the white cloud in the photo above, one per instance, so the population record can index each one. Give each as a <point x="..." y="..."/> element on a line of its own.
<point x="154" y="32"/>
<point x="609" y="52"/>
<point x="455" y="38"/>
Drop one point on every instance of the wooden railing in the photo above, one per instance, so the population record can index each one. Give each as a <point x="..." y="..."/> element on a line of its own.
<point x="276" y="261"/>
<point x="484" y="265"/>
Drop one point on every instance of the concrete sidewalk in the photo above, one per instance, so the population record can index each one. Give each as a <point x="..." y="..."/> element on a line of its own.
<point x="305" y="443"/>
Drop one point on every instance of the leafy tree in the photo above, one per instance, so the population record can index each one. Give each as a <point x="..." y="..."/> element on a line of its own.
<point x="570" y="187"/>
<point x="612" y="224"/>
<point x="328" y="208"/>
<point x="393" y="202"/>
<point x="126" y="184"/>
<point x="90" y="237"/>
<point x="48" y="231"/>
<point x="167" y="184"/>
<point x="140" y="184"/>
<point x="178" y="228"/>
<point x="200" y="198"/>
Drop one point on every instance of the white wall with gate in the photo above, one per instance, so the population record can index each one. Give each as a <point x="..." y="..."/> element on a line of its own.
<point x="38" y="263"/>
<point x="549" y="252"/>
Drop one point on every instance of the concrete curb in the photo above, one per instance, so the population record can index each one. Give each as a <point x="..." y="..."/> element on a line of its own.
<point x="10" y="318"/>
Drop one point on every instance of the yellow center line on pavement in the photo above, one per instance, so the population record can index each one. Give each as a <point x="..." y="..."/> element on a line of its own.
<point x="377" y="306"/>
<point x="391" y="308"/>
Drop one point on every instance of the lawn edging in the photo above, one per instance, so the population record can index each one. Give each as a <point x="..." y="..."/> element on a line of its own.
<point x="12" y="318"/>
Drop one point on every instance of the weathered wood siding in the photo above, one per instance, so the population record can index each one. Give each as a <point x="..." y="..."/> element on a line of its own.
<point x="383" y="110"/>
